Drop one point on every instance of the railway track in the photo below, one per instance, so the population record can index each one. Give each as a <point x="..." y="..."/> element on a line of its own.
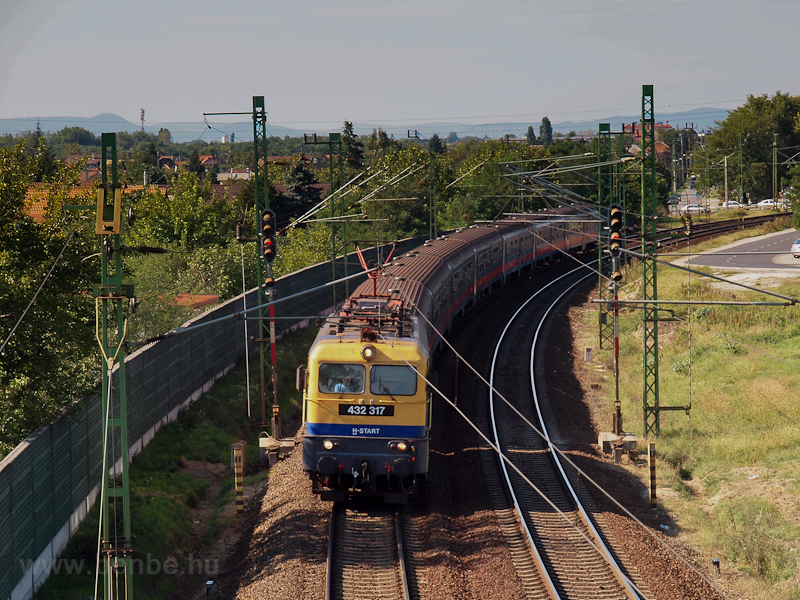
<point x="571" y="557"/>
<point x="702" y="230"/>
<point x="365" y="553"/>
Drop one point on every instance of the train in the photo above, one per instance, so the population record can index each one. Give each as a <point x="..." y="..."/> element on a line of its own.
<point x="366" y="402"/>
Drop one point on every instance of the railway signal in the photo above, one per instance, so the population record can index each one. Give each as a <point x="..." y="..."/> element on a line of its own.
<point x="615" y="219"/>
<point x="269" y="247"/>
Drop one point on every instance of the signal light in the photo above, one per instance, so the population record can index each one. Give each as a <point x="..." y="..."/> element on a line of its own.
<point x="615" y="218"/>
<point x="616" y="276"/>
<point x="269" y="247"/>
<point x="240" y="230"/>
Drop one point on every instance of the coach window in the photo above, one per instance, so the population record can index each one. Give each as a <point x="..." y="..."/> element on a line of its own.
<point x="335" y="378"/>
<point x="392" y="380"/>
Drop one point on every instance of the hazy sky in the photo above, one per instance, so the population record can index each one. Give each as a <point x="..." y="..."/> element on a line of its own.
<point x="391" y="61"/>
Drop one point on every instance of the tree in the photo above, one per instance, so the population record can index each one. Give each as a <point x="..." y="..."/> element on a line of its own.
<point x="74" y="135"/>
<point x="193" y="165"/>
<point x="302" y="247"/>
<point x="530" y="136"/>
<point x="436" y="145"/>
<point x="352" y="147"/>
<point x="379" y="145"/>
<point x="758" y="123"/>
<point x="144" y="160"/>
<point x="164" y="136"/>
<point x="56" y="336"/>
<point x="299" y="180"/>
<point x="546" y="132"/>
<point x="44" y="162"/>
<point x="190" y="217"/>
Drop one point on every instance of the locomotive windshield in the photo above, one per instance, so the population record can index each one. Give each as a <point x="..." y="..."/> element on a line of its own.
<point x="392" y="380"/>
<point x="341" y="379"/>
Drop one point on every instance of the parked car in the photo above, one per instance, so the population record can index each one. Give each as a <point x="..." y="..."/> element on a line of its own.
<point x="693" y="208"/>
<point x="731" y="204"/>
<point x="768" y="204"/>
<point x="796" y="248"/>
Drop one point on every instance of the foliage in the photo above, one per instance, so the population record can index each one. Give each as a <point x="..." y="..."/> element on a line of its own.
<point x="193" y="165"/>
<point x="436" y="145"/>
<point x="298" y="182"/>
<point x="401" y="207"/>
<point x="757" y="124"/>
<point x="530" y="135"/>
<point x="56" y="336"/>
<point x="545" y="131"/>
<point x="352" y="148"/>
<point x="302" y="247"/>
<point x="189" y="217"/>
<point x="379" y="145"/>
<point x="751" y="532"/>
<point x="144" y="160"/>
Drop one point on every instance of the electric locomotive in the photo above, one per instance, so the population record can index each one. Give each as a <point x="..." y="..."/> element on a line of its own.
<point x="366" y="405"/>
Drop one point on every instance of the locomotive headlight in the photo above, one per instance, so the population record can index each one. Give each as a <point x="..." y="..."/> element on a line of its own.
<point x="398" y="446"/>
<point x="368" y="352"/>
<point x="331" y="445"/>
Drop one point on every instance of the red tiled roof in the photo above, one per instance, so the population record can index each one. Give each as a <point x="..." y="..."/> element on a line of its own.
<point x="197" y="300"/>
<point x="37" y="196"/>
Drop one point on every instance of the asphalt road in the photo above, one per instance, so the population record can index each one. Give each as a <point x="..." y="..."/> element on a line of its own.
<point x="778" y="243"/>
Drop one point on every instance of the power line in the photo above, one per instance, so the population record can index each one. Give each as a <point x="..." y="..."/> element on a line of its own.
<point x="50" y="272"/>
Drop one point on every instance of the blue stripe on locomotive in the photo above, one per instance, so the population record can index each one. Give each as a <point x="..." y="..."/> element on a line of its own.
<point x="371" y="430"/>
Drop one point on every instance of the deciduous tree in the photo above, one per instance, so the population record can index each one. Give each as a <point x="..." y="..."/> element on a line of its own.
<point x="50" y="358"/>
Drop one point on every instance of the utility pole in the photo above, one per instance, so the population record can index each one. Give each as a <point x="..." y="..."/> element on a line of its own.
<point x="775" y="168"/>
<point x="741" y="174"/>
<point x="650" y="398"/>
<point x="674" y="165"/>
<point x="339" y="268"/>
<point x="604" y="194"/>
<point x="261" y="192"/>
<point x="726" y="181"/>
<point x="650" y="391"/>
<point x="116" y="546"/>
<point x="432" y="229"/>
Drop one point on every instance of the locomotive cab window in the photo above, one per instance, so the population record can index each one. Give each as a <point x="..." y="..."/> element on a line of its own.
<point x="341" y="379"/>
<point x="392" y="380"/>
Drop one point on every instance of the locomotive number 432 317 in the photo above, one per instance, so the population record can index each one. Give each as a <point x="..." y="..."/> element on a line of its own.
<point x="367" y="411"/>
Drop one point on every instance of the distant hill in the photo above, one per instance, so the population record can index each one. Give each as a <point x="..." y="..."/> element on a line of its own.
<point x="702" y="119"/>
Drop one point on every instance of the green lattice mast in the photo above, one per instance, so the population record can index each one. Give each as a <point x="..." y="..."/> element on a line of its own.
<point x="650" y="399"/>
<point x="116" y="545"/>
<point x="604" y="199"/>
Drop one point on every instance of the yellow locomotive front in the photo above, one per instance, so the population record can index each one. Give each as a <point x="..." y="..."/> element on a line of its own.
<point x="366" y="407"/>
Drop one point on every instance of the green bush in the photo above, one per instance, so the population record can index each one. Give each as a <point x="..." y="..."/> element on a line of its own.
<point x="752" y="532"/>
